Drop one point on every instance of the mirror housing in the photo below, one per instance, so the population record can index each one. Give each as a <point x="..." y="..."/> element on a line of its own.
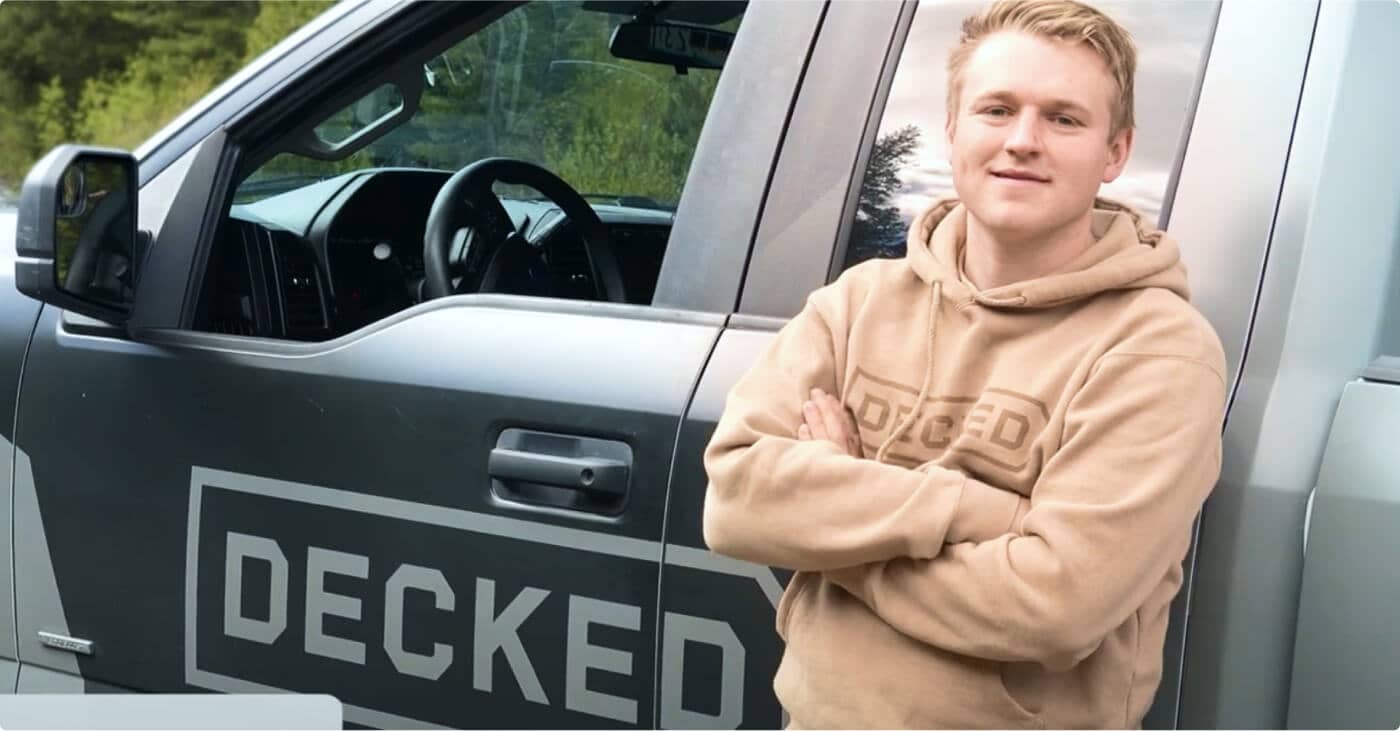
<point x="674" y="44"/>
<point x="76" y="242"/>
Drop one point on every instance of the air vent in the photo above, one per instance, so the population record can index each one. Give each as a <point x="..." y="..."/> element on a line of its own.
<point x="226" y="303"/>
<point x="300" y="282"/>
<point x="240" y="324"/>
<point x="640" y="250"/>
<point x="568" y="262"/>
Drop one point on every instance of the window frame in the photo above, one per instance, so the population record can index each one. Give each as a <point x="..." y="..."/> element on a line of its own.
<point x="812" y="190"/>
<point x="250" y="119"/>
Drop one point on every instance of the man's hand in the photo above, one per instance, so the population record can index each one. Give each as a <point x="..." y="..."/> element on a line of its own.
<point x="823" y="417"/>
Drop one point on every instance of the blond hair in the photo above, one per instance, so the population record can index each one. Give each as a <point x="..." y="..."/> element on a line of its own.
<point x="1066" y="20"/>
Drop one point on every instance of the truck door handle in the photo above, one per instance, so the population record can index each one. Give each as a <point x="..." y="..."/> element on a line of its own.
<point x="602" y="477"/>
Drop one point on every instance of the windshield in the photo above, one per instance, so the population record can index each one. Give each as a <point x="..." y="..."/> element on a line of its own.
<point x="538" y="84"/>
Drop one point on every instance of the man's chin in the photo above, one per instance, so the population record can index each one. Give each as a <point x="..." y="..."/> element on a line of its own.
<point x="1009" y="222"/>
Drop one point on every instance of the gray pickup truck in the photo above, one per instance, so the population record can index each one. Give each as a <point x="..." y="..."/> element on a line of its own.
<point x="385" y="371"/>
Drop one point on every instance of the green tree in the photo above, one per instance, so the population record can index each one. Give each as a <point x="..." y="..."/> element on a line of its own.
<point x="16" y="136"/>
<point x="73" y="41"/>
<point x="124" y="110"/>
<point x="181" y="32"/>
<point x="53" y="115"/>
<point x="50" y="50"/>
<point x="113" y="73"/>
<point x="188" y="48"/>
<point x="277" y="19"/>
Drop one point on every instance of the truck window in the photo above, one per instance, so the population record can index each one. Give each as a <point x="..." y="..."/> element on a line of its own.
<point x="538" y="83"/>
<point x="908" y="162"/>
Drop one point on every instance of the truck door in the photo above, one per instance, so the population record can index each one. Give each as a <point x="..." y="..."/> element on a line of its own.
<point x="299" y="474"/>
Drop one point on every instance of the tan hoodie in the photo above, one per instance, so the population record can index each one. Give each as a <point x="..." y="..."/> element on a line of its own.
<point x="929" y="592"/>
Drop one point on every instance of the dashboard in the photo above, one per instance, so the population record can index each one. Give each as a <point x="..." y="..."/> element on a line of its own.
<point x="329" y="258"/>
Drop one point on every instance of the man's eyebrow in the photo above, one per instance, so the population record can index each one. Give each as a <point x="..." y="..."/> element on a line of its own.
<point x="1068" y="106"/>
<point x="1053" y="104"/>
<point x="994" y="96"/>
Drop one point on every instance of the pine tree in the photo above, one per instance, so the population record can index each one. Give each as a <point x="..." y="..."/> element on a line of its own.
<point x="878" y="230"/>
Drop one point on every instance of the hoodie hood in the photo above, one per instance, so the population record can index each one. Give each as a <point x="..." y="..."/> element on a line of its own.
<point x="1127" y="254"/>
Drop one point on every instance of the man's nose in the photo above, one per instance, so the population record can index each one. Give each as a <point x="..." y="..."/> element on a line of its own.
<point x="1024" y="136"/>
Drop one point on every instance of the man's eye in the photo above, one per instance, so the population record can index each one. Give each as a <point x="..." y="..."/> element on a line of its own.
<point x="1066" y="121"/>
<point x="996" y="111"/>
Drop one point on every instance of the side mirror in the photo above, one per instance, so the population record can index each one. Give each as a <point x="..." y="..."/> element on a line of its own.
<point x="76" y="244"/>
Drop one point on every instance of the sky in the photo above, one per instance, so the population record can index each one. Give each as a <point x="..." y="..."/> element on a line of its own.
<point x="1171" y="38"/>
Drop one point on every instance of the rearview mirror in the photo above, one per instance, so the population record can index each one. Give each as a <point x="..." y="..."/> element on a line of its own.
<point x="76" y="239"/>
<point x="675" y="44"/>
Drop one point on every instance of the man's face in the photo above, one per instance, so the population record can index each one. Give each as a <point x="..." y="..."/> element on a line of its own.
<point x="1029" y="140"/>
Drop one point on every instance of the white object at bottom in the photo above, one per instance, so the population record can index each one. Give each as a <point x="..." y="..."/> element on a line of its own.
<point x="170" y="711"/>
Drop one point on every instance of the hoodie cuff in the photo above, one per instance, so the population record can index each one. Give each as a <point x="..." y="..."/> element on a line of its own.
<point x="985" y="512"/>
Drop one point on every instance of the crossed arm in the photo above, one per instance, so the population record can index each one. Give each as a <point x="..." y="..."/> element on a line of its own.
<point x="807" y="505"/>
<point x="947" y="559"/>
<point x="1049" y="592"/>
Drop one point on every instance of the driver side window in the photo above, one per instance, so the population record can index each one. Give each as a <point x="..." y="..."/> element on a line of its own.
<point x="329" y="227"/>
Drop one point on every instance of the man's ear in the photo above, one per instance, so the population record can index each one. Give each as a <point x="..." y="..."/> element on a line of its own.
<point x="1119" y="149"/>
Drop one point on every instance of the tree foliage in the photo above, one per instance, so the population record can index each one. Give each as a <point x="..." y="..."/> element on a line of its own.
<point x="275" y="20"/>
<point x="539" y="84"/>
<point x="112" y="73"/>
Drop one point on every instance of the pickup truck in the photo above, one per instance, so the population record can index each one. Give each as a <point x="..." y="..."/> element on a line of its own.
<point x="385" y="371"/>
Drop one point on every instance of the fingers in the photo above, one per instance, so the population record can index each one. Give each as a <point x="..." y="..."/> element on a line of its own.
<point x="825" y="418"/>
<point x="814" y="421"/>
<point x="832" y="417"/>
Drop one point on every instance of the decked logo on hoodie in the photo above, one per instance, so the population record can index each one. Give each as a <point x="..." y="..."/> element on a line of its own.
<point x="999" y="426"/>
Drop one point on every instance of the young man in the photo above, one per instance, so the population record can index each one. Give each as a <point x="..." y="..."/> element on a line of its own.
<point x="983" y="460"/>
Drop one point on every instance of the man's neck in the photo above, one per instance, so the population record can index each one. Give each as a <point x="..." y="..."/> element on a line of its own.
<point x="990" y="261"/>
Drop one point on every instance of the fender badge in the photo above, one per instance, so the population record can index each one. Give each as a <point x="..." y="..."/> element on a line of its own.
<point x="62" y="642"/>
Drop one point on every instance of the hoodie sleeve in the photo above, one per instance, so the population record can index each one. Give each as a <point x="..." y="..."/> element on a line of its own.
<point x="1109" y="516"/>
<point x="809" y="506"/>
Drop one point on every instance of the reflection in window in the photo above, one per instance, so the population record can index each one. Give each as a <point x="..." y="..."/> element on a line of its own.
<point x="909" y="168"/>
<point x="539" y="84"/>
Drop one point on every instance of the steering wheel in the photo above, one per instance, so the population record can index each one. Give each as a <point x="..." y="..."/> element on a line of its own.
<point x="467" y="213"/>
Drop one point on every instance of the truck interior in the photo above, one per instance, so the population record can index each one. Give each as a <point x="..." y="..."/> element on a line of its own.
<point x="534" y="150"/>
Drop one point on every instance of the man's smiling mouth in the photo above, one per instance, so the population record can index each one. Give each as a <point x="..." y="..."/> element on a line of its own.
<point x="1019" y="175"/>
